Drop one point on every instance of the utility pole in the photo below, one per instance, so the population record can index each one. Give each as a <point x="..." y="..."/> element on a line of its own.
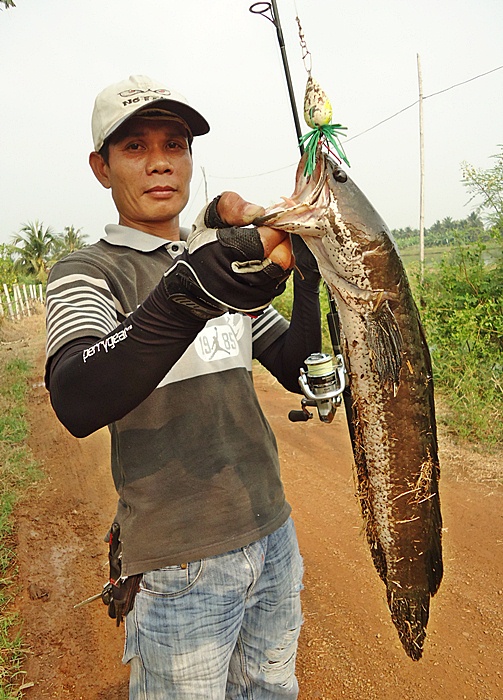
<point x="205" y="185"/>
<point x="421" y="180"/>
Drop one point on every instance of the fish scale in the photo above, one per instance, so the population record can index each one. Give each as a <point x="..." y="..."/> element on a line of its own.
<point x="390" y="402"/>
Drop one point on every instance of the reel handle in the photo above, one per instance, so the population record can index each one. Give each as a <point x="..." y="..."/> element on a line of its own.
<point x="303" y="415"/>
<point x="299" y="416"/>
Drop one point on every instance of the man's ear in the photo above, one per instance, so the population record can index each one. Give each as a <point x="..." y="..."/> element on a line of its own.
<point x="99" y="168"/>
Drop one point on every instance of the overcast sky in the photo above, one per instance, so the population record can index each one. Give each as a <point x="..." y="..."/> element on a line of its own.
<point x="57" y="55"/>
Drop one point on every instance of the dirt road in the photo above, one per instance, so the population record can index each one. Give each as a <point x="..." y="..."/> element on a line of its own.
<point x="349" y="648"/>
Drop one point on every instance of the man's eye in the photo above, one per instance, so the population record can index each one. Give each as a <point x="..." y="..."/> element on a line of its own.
<point x="133" y="146"/>
<point x="175" y="144"/>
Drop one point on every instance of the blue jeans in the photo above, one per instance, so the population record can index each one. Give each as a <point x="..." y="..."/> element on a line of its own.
<point x="225" y="627"/>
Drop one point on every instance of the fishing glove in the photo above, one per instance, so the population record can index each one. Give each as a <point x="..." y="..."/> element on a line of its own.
<point x="223" y="269"/>
<point x="120" y="594"/>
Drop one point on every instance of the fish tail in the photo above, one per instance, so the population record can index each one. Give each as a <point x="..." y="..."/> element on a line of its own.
<point x="410" y="615"/>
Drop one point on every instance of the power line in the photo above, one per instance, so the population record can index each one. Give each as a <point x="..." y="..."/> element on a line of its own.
<point x="481" y="75"/>
<point x="245" y="177"/>
<point x="433" y="94"/>
<point x="383" y="121"/>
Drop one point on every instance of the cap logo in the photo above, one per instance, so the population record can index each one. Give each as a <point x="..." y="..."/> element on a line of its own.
<point x="161" y="92"/>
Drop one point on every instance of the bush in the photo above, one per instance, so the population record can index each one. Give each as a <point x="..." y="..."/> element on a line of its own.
<point x="462" y="311"/>
<point x="283" y="304"/>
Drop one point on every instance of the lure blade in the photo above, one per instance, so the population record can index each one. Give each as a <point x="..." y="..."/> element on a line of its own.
<point x="317" y="107"/>
<point x="318" y="115"/>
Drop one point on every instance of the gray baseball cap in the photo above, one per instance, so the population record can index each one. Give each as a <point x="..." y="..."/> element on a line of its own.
<point x="118" y="102"/>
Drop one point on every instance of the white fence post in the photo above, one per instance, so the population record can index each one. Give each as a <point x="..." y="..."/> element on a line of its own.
<point x="18" y="301"/>
<point x="9" y="304"/>
<point x="26" y="300"/>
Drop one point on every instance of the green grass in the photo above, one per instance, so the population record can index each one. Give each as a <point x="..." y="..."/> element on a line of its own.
<point x="434" y="254"/>
<point x="18" y="471"/>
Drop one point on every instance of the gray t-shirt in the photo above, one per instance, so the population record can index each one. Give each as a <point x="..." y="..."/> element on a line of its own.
<point x="195" y="465"/>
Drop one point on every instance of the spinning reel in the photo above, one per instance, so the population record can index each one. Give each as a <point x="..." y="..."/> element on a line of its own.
<point x="322" y="386"/>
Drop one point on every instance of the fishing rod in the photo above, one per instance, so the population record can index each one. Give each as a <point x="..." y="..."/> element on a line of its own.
<point x="263" y="8"/>
<point x="324" y="382"/>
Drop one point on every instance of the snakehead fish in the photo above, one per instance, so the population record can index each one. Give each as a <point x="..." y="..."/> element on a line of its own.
<point x="391" y="411"/>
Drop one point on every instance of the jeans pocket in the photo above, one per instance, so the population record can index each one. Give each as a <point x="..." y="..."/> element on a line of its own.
<point x="172" y="581"/>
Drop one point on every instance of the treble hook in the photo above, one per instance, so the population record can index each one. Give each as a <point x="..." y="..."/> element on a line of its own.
<point x="267" y="7"/>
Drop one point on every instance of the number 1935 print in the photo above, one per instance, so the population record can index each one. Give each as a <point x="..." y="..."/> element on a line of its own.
<point x="217" y="342"/>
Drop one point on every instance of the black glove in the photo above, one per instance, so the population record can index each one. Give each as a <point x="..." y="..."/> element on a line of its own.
<point x="120" y="593"/>
<point x="305" y="263"/>
<point x="223" y="269"/>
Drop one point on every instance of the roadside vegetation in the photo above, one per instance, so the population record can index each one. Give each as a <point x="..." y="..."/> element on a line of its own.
<point x="461" y="304"/>
<point x="18" y="470"/>
<point x="35" y="248"/>
<point x="26" y="260"/>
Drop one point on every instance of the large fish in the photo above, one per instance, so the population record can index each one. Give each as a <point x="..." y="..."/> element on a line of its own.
<point x="391" y="411"/>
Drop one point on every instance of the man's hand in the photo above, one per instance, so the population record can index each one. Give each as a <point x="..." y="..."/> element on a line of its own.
<point x="232" y="210"/>
<point x="226" y="267"/>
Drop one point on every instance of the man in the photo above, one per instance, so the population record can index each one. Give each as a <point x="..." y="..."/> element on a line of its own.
<point x="152" y="332"/>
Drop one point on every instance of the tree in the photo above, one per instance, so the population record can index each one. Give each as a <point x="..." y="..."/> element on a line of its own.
<point x="65" y="243"/>
<point x="487" y="186"/>
<point x="33" y="249"/>
<point x="7" y="272"/>
<point x="7" y="3"/>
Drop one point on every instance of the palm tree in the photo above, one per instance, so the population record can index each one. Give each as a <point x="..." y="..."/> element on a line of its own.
<point x="448" y="224"/>
<point x="65" y="243"/>
<point x="33" y="249"/>
<point x="74" y="239"/>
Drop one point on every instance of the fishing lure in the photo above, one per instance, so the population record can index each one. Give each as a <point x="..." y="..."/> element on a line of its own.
<point x="318" y="115"/>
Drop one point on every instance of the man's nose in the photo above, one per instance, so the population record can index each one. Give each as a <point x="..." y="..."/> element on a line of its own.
<point x="159" y="161"/>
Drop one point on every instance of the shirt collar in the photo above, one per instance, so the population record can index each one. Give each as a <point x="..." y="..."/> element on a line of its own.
<point x="116" y="234"/>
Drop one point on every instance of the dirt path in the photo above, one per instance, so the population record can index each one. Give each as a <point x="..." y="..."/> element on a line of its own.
<point x="349" y="648"/>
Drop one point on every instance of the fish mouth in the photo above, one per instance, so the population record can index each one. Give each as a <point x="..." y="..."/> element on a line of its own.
<point x="307" y="203"/>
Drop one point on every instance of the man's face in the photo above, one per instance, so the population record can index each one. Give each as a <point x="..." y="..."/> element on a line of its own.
<point x="149" y="171"/>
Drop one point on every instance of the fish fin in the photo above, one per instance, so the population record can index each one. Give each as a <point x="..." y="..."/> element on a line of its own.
<point x="410" y="613"/>
<point x="385" y="342"/>
<point x="435" y="568"/>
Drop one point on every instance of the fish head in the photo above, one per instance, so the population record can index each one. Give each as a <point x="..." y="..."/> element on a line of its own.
<point x="351" y="243"/>
<point x="304" y="212"/>
<point x="325" y="201"/>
